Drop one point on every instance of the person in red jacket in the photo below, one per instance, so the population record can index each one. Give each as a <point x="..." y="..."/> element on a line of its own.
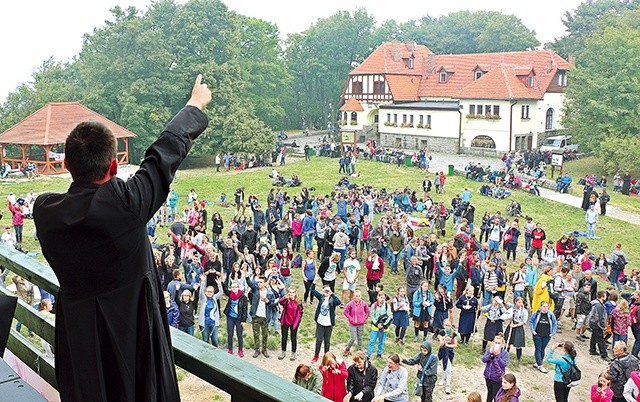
<point x="290" y="320"/>
<point x="537" y="239"/>
<point x="375" y="269"/>
<point x="17" y="219"/>
<point x="334" y="377"/>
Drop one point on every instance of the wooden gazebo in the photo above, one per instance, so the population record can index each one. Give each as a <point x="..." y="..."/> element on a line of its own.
<point x="41" y="136"/>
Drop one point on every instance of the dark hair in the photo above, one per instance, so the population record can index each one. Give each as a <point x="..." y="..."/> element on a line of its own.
<point x="89" y="149"/>
<point x="511" y="379"/>
<point x="570" y="349"/>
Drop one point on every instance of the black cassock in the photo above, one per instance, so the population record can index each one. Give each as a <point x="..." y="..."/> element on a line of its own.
<point x="112" y="336"/>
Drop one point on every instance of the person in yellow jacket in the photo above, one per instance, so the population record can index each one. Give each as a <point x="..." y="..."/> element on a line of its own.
<point x="540" y="292"/>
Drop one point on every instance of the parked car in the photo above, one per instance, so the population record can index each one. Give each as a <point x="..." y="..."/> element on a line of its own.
<point x="557" y="143"/>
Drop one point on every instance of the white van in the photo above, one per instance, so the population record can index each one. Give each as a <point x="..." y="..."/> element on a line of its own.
<point x="558" y="143"/>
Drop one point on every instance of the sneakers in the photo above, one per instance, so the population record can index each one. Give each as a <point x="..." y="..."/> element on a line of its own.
<point x="315" y="359"/>
<point x="447" y="390"/>
<point x="542" y="369"/>
<point x="265" y="353"/>
<point x="441" y="382"/>
<point x="240" y="353"/>
<point x="535" y="365"/>
<point x="230" y="351"/>
<point x="579" y="337"/>
<point x="282" y="355"/>
<point x="293" y="356"/>
<point x="256" y="353"/>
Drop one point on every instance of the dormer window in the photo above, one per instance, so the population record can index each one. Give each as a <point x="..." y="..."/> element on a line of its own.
<point x="443" y="77"/>
<point x="409" y="62"/>
<point x="562" y="79"/>
<point x="530" y="81"/>
<point x="478" y="74"/>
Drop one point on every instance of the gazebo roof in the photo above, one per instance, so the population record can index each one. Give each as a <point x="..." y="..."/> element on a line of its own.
<point x="53" y="123"/>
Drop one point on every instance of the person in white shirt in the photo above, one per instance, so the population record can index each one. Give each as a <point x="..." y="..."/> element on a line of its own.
<point x="8" y="237"/>
<point x="351" y="270"/>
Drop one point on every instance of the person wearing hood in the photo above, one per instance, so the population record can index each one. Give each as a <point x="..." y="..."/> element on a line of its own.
<point x="620" y="368"/>
<point x="427" y="370"/>
<point x="509" y="392"/>
<point x="173" y="313"/>
<point x="308" y="377"/>
<point x="496" y="359"/>
<point x="236" y="312"/>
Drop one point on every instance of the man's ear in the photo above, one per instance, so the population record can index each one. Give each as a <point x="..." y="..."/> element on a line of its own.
<point x="113" y="167"/>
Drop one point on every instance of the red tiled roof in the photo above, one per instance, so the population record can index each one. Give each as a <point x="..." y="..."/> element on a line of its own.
<point x="53" y="123"/>
<point x="388" y="59"/>
<point x="500" y="81"/>
<point x="404" y="87"/>
<point x="352" y="105"/>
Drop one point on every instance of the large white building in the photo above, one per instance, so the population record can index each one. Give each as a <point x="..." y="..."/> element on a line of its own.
<point x="484" y="102"/>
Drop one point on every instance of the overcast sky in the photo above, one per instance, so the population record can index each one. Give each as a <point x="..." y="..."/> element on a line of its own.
<point x="34" y="30"/>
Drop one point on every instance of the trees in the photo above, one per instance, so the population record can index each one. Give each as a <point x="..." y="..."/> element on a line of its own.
<point x="320" y="58"/>
<point x="584" y="21"/>
<point x="470" y="32"/>
<point x="602" y="101"/>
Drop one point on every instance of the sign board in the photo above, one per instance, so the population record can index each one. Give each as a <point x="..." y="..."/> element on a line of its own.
<point x="348" y="136"/>
<point x="556" y="160"/>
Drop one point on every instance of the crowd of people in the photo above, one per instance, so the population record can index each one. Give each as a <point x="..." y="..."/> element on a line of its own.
<point x="346" y="244"/>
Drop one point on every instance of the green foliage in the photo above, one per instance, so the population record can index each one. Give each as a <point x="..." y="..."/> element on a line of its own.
<point x="319" y="60"/>
<point x="586" y="19"/>
<point x="470" y="32"/>
<point x="602" y="101"/>
<point x="619" y="153"/>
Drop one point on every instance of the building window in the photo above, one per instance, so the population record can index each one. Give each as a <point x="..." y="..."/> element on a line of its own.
<point x="354" y="118"/>
<point x="524" y="112"/>
<point x="496" y="110"/>
<point x="409" y="62"/>
<point x="472" y="109"/>
<point x="411" y="119"/>
<point x="356" y="87"/>
<point x="404" y="118"/>
<point x="480" y="109"/>
<point x="378" y="87"/>
<point x="395" y="118"/>
<point x="478" y="74"/>
<point x="388" y="117"/>
<point x="487" y="109"/>
<point x="483" y="141"/>
<point x="443" y="77"/>
<point x="548" y="123"/>
<point x="429" y="120"/>
<point x="421" y="120"/>
<point x="530" y="81"/>
<point x="344" y="117"/>
<point x="562" y="79"/>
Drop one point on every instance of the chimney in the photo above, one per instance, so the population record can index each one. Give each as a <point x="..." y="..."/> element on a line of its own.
<point x="411" y="46"/>
<point x="432" y="63"/>
<point x="572" y="61"/>
<point x="396" y="53"/>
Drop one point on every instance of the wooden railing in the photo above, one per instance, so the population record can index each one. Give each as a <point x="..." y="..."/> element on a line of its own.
<point x="242" y="380"/>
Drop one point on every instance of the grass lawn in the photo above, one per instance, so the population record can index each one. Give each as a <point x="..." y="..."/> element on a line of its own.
<point x="591" y="165"/>
<point x="322" y="173"/>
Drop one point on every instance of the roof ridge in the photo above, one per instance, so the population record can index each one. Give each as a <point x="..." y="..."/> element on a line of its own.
<point x="507" y="82"/>
<point x="47" y="123"/>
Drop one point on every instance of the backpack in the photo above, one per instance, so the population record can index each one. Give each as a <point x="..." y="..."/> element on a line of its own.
<point x="552" y="292"/>
<point x="297" y="261"/>
<point x="507" y="236"/>
<point x="619" y="263"/>
<point x="572" y="376"/>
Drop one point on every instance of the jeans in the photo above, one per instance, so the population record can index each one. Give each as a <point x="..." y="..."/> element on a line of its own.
<point x="614" y="279"/>
<point x="374" y="336"/>
<point x="273" y="322"/>
<point x="188" y="330"/>
<point x="323" y="334"/>
<point x="18" y="230"/>
<point x="355" y="332"/>
<point x="591" y="230"/>
<point x="393" y="261"/>
<point x="308" y="241"/>
<point x="527" y="242"/>
<point x="540" y="343"/>
<point x="210" y="332"/>
<point x="623" y="338"/>
<point x="234" y="323"/>
<point x="294" y="338"/>
<point x="597" y="338"/>
<point x="487" y="299"/>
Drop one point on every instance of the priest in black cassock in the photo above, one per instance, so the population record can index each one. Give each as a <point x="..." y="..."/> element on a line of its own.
<point x="112" y="337"/>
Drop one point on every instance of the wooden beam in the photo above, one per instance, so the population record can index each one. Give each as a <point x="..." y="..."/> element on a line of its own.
<point x="32" y="357"/>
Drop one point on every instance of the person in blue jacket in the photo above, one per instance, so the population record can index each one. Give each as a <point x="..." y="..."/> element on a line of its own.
<point x="543" y="326"/>
<point x="563" y="364"/>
